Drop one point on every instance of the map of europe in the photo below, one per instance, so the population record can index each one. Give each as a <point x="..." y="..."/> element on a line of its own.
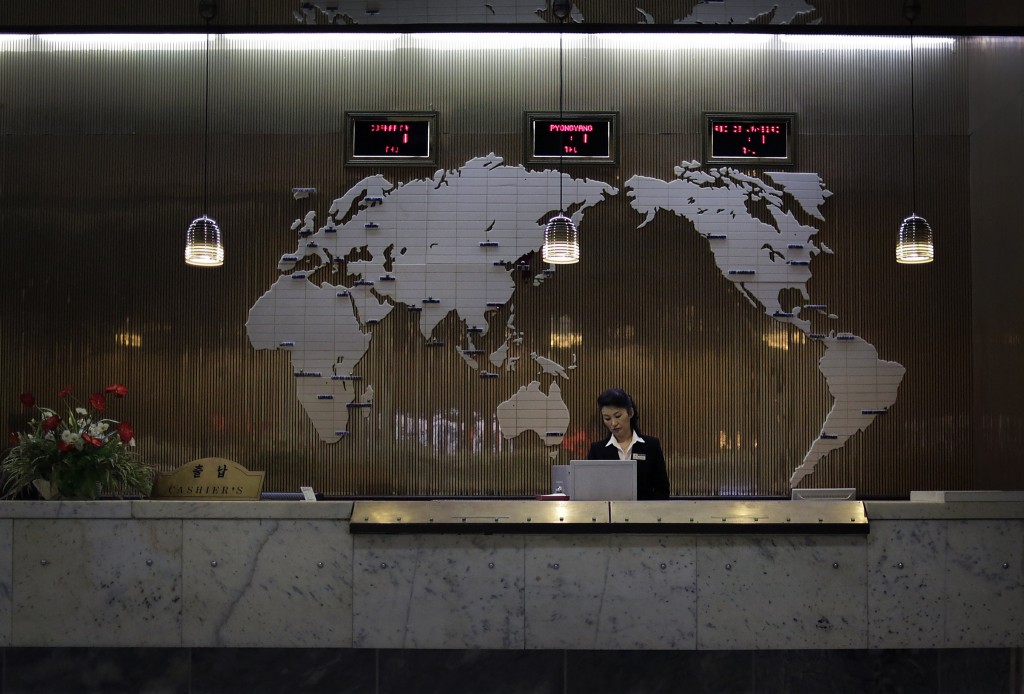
<point x="449" y="243"/>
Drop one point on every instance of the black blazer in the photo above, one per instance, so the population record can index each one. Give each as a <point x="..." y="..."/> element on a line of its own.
<point x="651" y="475"/>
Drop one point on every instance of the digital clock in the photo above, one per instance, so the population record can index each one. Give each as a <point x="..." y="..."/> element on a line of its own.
<point x="394" y="138"/>
<point x="578" y="138"/>
<point x="745" y="138"/>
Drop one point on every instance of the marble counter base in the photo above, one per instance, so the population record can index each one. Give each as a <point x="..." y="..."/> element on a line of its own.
<point x="97" y="582"/>
<point x="94" y="578"/>
<point x="906" y="595"/>
<point x="438" y="591"/>
<point x="267" y="582"/>
<point x="611" y="592"/>
<point x="782" y="592"/>
<point x="984" y="583"/>
<point x="6" y="580"/>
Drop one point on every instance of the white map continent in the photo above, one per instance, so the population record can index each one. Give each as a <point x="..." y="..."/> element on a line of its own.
<point x="549" y="366"/>
<point x="448" y="243"/>
<point x="529" y="409"/>
<point x="325" y="340"/>
<point x="863" y="387"/>
<point x="762" y="255"/>
<point x="422" y="11"/>
<point x="759" y="258"/>
<point x="748" y="12"/>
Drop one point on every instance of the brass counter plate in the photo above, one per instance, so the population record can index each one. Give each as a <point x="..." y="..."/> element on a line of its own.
<point x="448" y="516"/>
<point x="715" y="516"/>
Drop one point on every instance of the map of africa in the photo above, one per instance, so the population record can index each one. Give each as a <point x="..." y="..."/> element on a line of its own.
<point x="448" y="244"/>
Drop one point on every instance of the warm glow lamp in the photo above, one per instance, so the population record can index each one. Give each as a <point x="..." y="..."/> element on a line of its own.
<point x="203" y="244"/>
<point x="915" y="243"/>
<point x="561" y="239"/>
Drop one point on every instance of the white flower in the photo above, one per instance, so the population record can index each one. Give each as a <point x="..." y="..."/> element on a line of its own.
<point x="71" y="438"/>
<point x="49" y="436"/>
<point x="97" y="429"/>
<point x="82" y="411"/>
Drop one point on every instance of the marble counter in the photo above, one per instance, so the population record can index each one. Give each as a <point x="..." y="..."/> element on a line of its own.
<point x="290" y="574"/>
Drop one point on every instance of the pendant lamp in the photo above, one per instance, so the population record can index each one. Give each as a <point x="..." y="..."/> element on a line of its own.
<point x="561" y="239"/>
<point x="203" y="244"/>
<point x="915" y="243"/>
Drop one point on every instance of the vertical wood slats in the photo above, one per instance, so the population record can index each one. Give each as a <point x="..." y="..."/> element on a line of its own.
<point x="102" y="159"/>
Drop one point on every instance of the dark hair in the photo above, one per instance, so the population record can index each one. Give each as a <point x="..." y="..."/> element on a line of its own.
<point x="617" y="397"/>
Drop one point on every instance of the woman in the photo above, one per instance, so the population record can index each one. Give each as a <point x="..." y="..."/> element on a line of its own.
<point x="619" y="415"/>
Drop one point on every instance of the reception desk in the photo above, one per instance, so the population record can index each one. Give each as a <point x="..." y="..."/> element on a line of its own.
<point x="477" y="575"/>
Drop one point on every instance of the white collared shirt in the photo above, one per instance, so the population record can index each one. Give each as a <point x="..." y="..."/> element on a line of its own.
<point x="624" y="453"/>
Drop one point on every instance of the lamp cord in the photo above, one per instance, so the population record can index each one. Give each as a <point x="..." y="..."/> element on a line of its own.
<point x="561" y="130"/>
<point x="913" y="133"/>
<point x="206" y="126"/>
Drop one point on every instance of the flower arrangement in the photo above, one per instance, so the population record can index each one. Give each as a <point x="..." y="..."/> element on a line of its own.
<point x="78" y="455"/>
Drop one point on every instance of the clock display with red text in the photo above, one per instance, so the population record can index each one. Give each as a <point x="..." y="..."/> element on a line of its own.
<point x="734" y="138"/>
<point x="580" y="138"/>
<point x="390" y="138"/>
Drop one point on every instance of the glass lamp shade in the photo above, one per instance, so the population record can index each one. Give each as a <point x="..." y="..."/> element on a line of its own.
<point x="916" y="244"/>
<point x="203" y="246"/>
<point x="561" y="241"/>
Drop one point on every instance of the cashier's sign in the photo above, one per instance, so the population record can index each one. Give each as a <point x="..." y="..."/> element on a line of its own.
<point x="217" y="479"/>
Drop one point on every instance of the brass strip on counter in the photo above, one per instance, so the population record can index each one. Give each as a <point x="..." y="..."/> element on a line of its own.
<point x="734" y="516"/>
<point x="448" y="516"/>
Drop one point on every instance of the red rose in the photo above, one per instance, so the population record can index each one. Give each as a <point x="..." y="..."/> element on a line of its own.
<point x="64" y="447"/>
<point x="124" y="430"/>
<point x="118" y="390"/>
<point x="28" y="400"/>
<point x="14" y="439"/>
<point x="50" y="423"/>
<point x="64" y="392"/>
<point x="92" y="440"/>
<point x="98" y="401"/>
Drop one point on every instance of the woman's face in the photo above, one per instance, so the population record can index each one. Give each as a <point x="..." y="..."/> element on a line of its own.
<point x="617" y="421"/>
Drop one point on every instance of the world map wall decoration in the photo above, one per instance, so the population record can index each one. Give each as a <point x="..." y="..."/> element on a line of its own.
<point x="448" y="245"/>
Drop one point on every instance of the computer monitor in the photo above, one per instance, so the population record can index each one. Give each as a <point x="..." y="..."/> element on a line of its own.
<point x="599" y="480"/>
